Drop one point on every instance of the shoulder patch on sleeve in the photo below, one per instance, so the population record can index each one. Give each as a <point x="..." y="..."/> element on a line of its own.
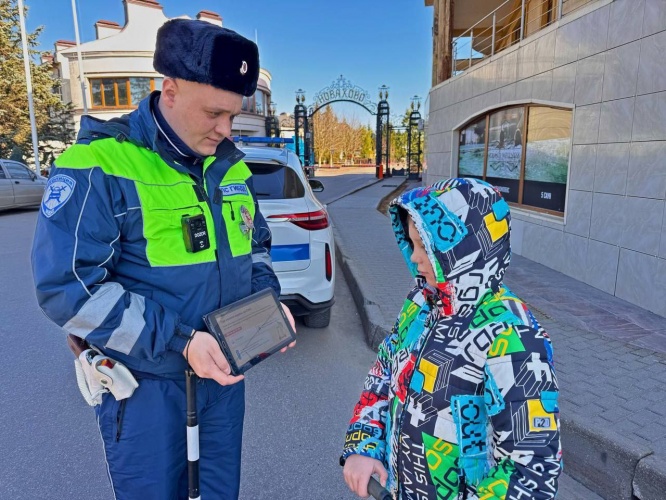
<point x="58" y="191"/>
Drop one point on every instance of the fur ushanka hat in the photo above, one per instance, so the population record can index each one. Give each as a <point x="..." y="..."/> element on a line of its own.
<point x="201" y="52"/>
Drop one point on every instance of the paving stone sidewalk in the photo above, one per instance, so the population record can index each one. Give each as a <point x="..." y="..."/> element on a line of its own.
<point x="610" y="355"/>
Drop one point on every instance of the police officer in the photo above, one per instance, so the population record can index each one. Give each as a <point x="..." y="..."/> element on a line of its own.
<point x="113" y="265"/>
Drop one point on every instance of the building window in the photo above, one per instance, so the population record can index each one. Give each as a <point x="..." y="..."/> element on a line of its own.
<point x="248" y="104"/>
<point x="259" y="98"/>
<point x="256" y="103"/>
<point x="523" y="151"/>
<point x="121" y="92"/>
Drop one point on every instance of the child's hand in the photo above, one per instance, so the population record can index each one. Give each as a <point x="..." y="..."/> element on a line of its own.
<point x="357" y="472"/>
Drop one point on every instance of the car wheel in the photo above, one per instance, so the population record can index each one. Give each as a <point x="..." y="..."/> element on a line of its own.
<point x="319" y="319"/>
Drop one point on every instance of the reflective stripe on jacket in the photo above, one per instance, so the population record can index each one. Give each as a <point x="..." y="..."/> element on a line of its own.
<point x="109" y="257"/>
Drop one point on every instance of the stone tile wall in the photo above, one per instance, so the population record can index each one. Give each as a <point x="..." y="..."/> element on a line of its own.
<point x="608" y="63"/>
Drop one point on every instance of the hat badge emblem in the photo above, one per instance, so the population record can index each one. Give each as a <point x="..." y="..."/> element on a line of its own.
<point x="243" y="68"/>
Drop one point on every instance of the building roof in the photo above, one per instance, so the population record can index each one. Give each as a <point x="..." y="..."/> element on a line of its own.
<point x="209" y="14"/>
<point x="142" y="20"/>
<point x="108" y="23"/>
<point x="148" y="3"/>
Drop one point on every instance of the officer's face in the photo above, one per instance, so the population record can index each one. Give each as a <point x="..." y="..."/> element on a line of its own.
<point x="200" y="114"/>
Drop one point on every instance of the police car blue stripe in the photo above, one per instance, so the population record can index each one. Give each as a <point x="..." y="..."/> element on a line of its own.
<point x="283" y="253"/>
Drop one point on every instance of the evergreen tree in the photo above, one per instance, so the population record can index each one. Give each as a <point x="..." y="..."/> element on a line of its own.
<point x="15" y="133"/>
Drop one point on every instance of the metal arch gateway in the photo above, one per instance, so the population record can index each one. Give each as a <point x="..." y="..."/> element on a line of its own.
<point x="342" y="90"/>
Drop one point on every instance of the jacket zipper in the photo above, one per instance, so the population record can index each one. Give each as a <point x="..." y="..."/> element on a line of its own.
<point x="407" y="401"/>
<point x="231" y="209"/>
<point x="119" y="419"/>
<point x="202" y="195"/>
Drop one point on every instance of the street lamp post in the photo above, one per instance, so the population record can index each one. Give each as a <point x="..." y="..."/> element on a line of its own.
<point x="79" y="58"/>
<point x="298" y="109"/>
<point x="414" y="124"/>
<point x="28" y="81"/>
<point x="382" y="135"/>
<point x="301" y="117"/>
<point x="272" y="121"/>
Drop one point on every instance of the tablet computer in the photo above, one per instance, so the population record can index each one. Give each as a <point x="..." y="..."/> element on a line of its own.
<point x="250" y="330"/>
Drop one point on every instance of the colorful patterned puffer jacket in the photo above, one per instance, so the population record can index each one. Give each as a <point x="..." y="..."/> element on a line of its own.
<point x="462" y="400"/>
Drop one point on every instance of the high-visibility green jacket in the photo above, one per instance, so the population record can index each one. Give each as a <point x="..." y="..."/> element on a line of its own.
<point x="109" y="257"/>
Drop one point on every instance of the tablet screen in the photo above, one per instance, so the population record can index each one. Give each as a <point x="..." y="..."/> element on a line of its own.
<point x="253" y="329"/>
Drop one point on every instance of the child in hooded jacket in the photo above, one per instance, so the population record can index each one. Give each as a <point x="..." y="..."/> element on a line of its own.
<point x="461" y="402"/>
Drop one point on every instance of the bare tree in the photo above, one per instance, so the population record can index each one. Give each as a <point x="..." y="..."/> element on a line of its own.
<point x="351" y="138"/>
<point x="325" y="124"/>
<point x="334" y="138"/>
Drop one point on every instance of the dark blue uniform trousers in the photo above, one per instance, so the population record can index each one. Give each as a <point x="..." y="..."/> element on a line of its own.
<point x="145" y="440"/>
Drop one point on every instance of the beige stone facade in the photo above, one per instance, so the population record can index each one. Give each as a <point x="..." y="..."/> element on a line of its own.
<point x="601" y="65"/>
<point x="118" y="68"/>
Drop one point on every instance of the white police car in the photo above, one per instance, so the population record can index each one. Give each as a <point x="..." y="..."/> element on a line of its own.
<point x="302" y="248"/>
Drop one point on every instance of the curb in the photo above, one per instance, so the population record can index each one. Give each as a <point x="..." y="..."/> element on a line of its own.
<point x="370" y="313"/>
<point x="650" y="481"/>
<point x="376" y="181"/>
<point x="602" y="460"/>
<point x="372" y="319"/>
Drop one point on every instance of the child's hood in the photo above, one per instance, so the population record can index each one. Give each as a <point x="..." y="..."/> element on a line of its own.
<point x="465" y="227"/>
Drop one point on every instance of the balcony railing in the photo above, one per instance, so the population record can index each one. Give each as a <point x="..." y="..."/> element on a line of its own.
<point x="507" y="25"/>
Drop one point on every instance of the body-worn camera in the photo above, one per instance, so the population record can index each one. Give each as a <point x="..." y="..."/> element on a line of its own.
<point x="195" y="233"/>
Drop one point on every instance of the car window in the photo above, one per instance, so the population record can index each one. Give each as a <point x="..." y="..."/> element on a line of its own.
<point x="2" y="173"/>
<point x="18" y="171"/>
<point x="274" y="182"/>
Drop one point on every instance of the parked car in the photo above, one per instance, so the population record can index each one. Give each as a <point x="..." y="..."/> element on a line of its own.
<point x="302" y="250"/>
<point x="19" y="186"/>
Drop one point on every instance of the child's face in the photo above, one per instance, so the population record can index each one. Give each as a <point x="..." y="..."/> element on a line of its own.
<point x="420" y="257"/>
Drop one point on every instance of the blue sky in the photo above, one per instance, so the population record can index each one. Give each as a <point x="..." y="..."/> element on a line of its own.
<point x="304" y="43"/>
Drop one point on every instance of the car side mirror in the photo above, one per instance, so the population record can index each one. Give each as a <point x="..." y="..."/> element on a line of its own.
<point x="317" y="186"/>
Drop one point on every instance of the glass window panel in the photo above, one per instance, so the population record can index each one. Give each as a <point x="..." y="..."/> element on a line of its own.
<point x="259" y="96"/>
<point x="109" y="92"/>
<point x="17" y="171"/>
<point x="505" y="151"/>
<point x="139" y="88"/>
<point x="158" y="83"/>
<point x="246" y="104"/>
<point x="275" y="182"/>
<point x="123" y="98"/>
<point x="2" y="173"/>
<point x="96" y="90"/>
<point x="547" y="158"/>
<point x="472" y="149"/>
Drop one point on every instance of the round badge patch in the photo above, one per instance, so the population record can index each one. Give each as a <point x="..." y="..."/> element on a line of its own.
<point x="58" y="192"/>
<point x="243" y="68"/>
